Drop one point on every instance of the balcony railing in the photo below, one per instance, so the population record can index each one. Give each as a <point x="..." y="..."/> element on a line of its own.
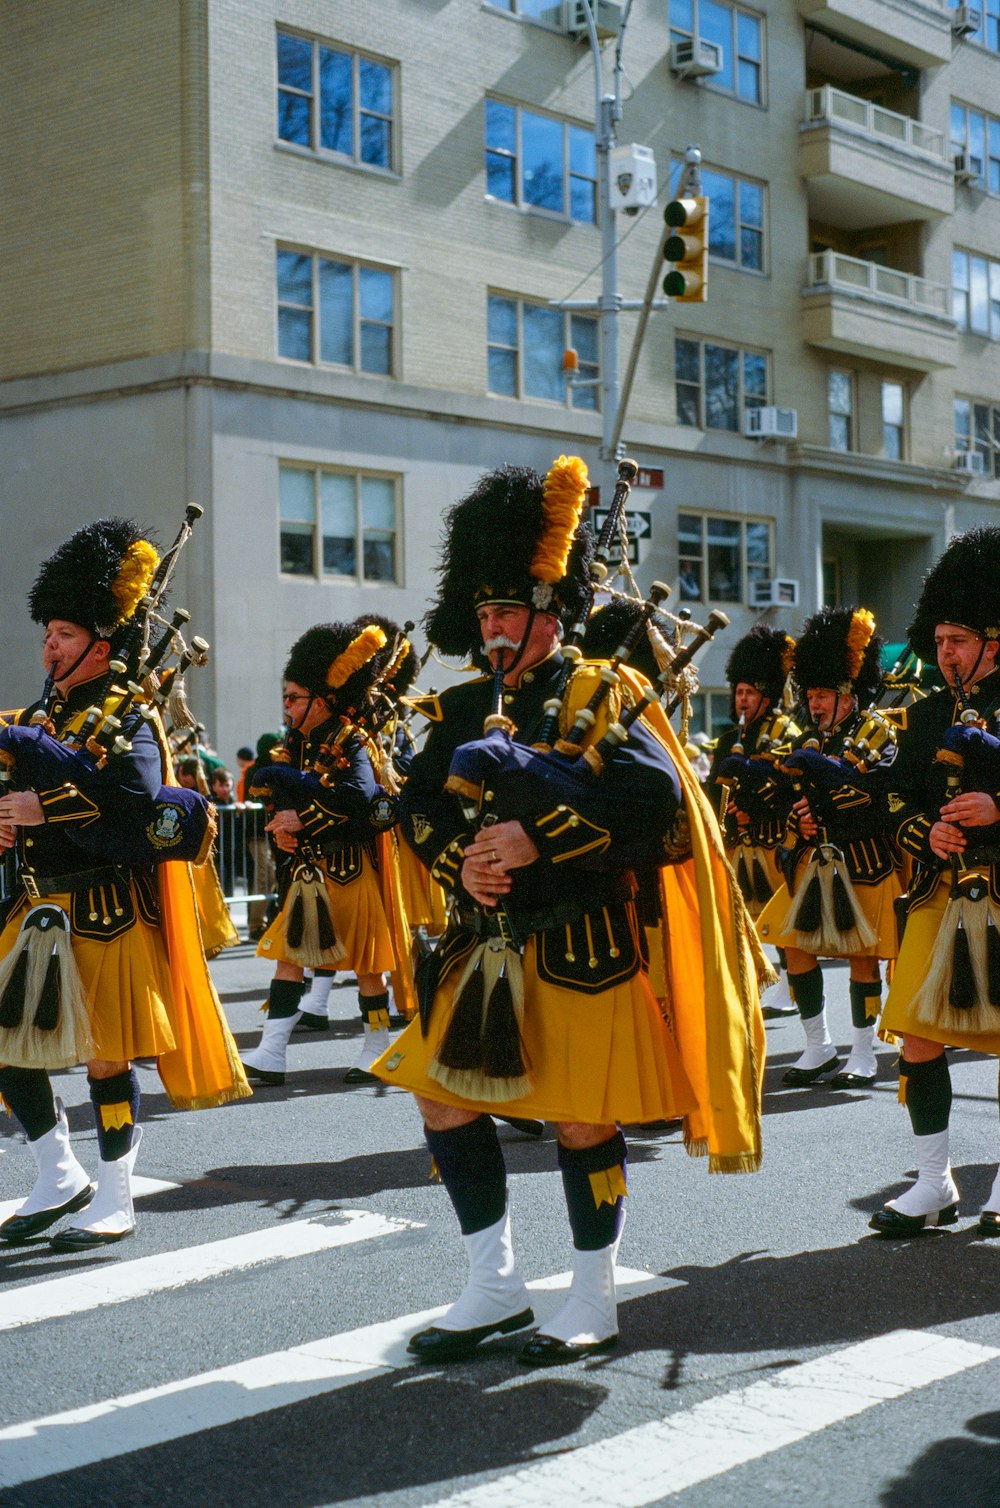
<point x="851" y="275"/>
<point x="838" y="108"/>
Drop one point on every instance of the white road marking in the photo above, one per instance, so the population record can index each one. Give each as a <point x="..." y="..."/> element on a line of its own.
<point x="79" y="1437"/>
<point x="141" y="1188"/>
<point x="115" y="1282"/>
<point x="653" y="1461"/>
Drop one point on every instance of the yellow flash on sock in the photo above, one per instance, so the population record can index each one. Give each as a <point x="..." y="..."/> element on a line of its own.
<point x="114" y="1117"/>
<point x="901" y="1093"/>
<point x="377" y="1019"/>
<point x="434" y="1176"/>
<point x="608" y="1185"/>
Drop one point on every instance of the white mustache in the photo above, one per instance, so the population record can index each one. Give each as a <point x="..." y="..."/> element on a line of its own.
<point x="501" y="641"/>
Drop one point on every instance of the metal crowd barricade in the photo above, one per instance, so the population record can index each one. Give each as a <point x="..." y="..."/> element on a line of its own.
<point x="244" y="860"/>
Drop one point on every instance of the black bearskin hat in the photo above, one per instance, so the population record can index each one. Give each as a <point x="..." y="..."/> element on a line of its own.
<point x="607" y="628"/>
<point x="762" y="658"/>
<point x="963" y="588"/>
<point x="398" y="654"/>
<point x="337" y="661"/>
<point x="97" y="578"/>
<point x="516" y="538"/>
<point x="839" y="650"/>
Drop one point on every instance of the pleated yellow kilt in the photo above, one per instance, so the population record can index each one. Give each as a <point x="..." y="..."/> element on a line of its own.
<point x="597" y="1059"/>
<point x="915" y="955"/>
<point x="423" y="898"/>
<point x="876" y="901"/>
<point x="359" y="921"/>
<point x="768" y="858"/>
<point x="127" y="984"/>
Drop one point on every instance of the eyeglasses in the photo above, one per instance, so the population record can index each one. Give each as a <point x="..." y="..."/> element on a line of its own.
<point x="288" y="700"/>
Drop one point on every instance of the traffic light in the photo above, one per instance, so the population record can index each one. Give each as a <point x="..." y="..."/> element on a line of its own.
<point x="687" y="248"/>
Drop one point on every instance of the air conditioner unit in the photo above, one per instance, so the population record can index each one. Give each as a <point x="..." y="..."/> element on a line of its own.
<point x="972" y="462"/>
<point x="691" y="58"/>
<point x="607" y="16"/>
<point x="965" y="20"/>
<point x="777" y="592"/>
<point x="967" y="169"/>
<point x="771" y="423"/>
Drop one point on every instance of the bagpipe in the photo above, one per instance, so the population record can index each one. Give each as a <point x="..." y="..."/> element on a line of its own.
<point x="962" y="986"/>
<point x="126" y="828"/>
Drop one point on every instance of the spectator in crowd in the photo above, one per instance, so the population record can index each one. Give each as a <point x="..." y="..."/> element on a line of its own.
<point x="244" y="758"/>
<point x="260" y="862"/>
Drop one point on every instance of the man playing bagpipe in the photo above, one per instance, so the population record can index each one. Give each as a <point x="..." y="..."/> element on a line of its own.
<point x="337" y="903"/>
<point x="753" y="823"/>
<point x="843" y="872"/>
<point x="943" y="807"/>
<point x="539" y="999"/>
<point x="101" y="958"/>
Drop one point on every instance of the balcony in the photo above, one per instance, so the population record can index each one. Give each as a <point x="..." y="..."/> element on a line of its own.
<point x="877" y="312"/>
<point x="917" y="32"/>
<point x="866" y="166"/>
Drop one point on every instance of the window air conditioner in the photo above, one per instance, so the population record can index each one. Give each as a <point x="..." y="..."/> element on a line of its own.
<point x="967" y="169"/>
<point x="965" y="20"/>
<point x="691" y="58"/>
<point x="972" y="462"/>
<point x="777" y="592"/>
<point x="607" y="19"/>
<point x="771" y="423"/>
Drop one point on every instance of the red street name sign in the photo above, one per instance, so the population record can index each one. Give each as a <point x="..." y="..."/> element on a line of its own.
<point x="649" y="477"/>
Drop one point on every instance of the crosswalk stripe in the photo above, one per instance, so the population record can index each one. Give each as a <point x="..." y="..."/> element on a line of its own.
<point x="645" y="1464"/>
<point x="115" y="1427"/>
<point x="115" y="1282"/>
<point x="141" y="1189"/>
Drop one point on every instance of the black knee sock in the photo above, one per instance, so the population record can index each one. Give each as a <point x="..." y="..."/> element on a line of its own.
<point x="116" y="1111"/>
<point x="283" y="998"/>
<point x="782" y="961"/>
<point x="594" y="1185"/>
<point x="807" y="991"/>
<point x="863" y="1014"/>
<point x="375" y="1010"/>
<point x="472" y="1169"/>
<point x="27" y="1093"/>
<point x="927" y="1094"/>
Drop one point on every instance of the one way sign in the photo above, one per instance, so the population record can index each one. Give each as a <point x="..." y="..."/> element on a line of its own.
<point x="640" y="525"/>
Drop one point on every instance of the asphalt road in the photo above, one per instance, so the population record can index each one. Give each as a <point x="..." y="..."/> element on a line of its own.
<point x="247" y="1345"/>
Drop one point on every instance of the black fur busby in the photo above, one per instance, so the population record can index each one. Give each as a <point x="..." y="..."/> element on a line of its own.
<point x="840" y="650"/>
<point x="608" y="627"/>
<point x="763" y="659"/>
<point x="963" y="588"/>
<point x="515" y="538"/>
<point x="97" y="578"/>
<point x="337" y="661"/>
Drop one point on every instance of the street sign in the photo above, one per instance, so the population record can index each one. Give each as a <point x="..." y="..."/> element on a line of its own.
<point x="640" y="525"/>
<point x="649" y="476"/>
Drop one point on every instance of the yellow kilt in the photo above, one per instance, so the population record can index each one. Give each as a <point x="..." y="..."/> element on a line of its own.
<point x="591" y="1058"/>
<point x="768" y="858"/>
<point x="876" y="901"/>
<point x="359" y="920"/>
<point x="423" y="898"/>
<point x="919" y="942"/>
<point x="126" y="981"/>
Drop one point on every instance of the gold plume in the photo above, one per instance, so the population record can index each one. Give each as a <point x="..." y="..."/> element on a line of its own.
<point x="859" y="636"/>
<point x="563" y="495"/>
<point x="360" y="650"/>
<point x="135" y="575"/>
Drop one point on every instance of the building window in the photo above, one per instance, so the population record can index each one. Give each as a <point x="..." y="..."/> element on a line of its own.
<point x="988" y="32"/>
<point x="338" y="523"/>
<point x="735" y="216"/>
<point x="710" y="712"/>
<point x="831" y="580"/>
<point x="738" y="33"/>
<point x="539" y="162"/>
<point x="894" y="421"/>
<point x="717" y="384"/>
<point x="840" y="410"/>
<point x="526" y="343"/>
<point x="333" y="100"/>
<point x="977" y="427"/>
<point x="335" y="313"/>
<point x="719" y="556"/>
<point x="977" y="138"/>
<point x="976" y="294"/>
<point x="546" y="12"/>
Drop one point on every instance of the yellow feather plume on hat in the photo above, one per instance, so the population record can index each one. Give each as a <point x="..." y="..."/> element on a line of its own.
<point x="788" y="656"/>
<point x="360" y="650"/>
<point x="134" y="578"/>
<point x="563" y="495"/>
<point x="858" y="639"/>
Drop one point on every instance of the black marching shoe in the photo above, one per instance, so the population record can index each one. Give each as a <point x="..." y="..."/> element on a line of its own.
<point x="25" y="1227"/>
<point x="778" y="1012"/>
<point x="548" y="1351"/>
<point x="989" y="1223"/>
<point x="889" y="1222"/>
<point x="852" y="1081"/>
<point x="360" y="1076"/>
<point x="798" y="1078"/>
<point x="309" y="1021"/>
<point x="437" y="1345"/>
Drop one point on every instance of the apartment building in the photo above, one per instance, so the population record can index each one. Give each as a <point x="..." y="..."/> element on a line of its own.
<point x="300" y="261"/>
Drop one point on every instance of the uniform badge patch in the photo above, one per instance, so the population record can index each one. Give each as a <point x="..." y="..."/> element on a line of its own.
<point x="165" y="829"/>
<point x="895" y="802"/>
<point x="422" y="829"/>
